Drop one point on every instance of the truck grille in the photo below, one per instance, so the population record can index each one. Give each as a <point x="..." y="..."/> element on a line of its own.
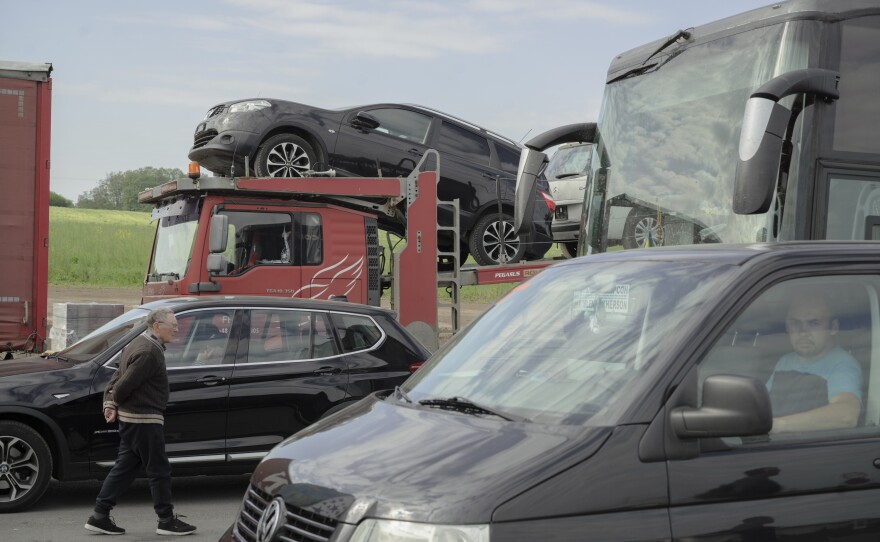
<point x="374" y="261"/>
<point x="299" y="526"/>
<point x="202" y="138"/>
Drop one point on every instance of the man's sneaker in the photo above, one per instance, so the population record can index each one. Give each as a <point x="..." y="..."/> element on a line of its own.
<point x="175" y="527"/>
<point x="103" y="526"/>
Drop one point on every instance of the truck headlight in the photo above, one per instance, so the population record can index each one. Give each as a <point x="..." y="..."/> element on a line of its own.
<point x="379" y="530"/>
<point x="252" y="105"/>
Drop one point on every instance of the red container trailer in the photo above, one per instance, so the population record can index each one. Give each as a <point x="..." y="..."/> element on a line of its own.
<point x="25" y="125"/>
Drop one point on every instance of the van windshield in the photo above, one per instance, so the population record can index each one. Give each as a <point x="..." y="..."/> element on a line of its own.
<point x="573" y="345"/>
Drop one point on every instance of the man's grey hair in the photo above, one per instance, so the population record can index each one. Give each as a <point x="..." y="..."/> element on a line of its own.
<point x="158" y="315"/>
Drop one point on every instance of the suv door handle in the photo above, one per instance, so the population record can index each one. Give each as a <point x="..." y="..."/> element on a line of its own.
<point x="327" y="371"/>
<point x="211" y="380"/>
<point x="416" y="152"/>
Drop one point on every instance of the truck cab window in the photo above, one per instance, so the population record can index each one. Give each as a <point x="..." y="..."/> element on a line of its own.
<point x="261" y="238"/>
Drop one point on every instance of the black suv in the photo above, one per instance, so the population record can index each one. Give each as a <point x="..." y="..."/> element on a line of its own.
<point x="244" y="374"/>
<point x="286" y="139"/>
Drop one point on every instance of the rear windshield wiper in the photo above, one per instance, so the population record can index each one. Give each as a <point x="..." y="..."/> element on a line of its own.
<point x="460" y="404"/>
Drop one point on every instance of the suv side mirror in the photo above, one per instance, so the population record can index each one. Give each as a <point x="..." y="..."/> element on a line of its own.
<point x="733" y="406"/>
<point x="365" y="121"/>
<point x="219" y="234"/>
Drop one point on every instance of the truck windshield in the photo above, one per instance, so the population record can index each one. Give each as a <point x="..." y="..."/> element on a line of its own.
<point x="664" y="163"/>
<point x="173" y="248"/>
<point x="575" y="345"/>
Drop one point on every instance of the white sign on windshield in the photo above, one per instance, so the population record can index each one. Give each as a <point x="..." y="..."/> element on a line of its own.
<point x="615" y="301"/>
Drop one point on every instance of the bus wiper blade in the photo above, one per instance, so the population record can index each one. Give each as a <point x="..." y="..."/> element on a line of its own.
<point x="645" y="67"/>
<point x="460" y="404"/>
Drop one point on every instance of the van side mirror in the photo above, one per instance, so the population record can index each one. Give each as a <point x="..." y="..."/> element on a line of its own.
<point x="733" y="406"/>
<point x="763" y="134"/>
<point x="365" y="121"/>
<point x="219" y="235"/>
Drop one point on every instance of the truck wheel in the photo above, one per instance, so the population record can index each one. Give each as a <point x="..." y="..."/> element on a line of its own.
<point x="284" y="155"/>
<point x="491" y="237"/>
<point x="569" y="249"/>
<point x="642" y="230"/>
<point x="25" y="466"/>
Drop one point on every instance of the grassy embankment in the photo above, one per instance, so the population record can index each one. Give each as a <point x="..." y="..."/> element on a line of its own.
<point x="98" y="249"/>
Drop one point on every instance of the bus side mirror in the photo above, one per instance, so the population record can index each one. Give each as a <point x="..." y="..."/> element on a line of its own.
<point x="760" y="150"/>
<point x="531" y="163"/>
<point x="219" y="235"/>
<point x="763" y="134"/>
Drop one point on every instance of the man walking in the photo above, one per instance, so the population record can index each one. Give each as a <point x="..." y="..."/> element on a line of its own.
<point x="136" y="396"/>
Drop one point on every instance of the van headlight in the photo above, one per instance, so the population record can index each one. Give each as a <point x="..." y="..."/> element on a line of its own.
<point x="380" y="530"/>
<point x="252" y="105"/>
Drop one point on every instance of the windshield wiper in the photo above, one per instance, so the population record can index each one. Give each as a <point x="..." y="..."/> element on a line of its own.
<point x="398" y="392"/>
<point x="55" y="355"/>
<point x="567" y="175"/>
<point x="645" y="68"/>
<point x="460" y="404"/>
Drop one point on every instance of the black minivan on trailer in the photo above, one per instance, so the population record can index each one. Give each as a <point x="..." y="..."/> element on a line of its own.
<point x="715" y="392"/>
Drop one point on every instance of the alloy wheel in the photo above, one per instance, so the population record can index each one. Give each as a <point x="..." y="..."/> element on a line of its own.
<point x="19" y="467"/>
<point x="287" y="160"/>
<point x="498" y="239"/>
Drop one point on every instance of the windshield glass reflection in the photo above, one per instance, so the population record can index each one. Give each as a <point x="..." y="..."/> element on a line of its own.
<point x="663" y="168"/>
<point x="567" y="346"/>
<point x="174" y="244"/>
<point x="105" y="336"/>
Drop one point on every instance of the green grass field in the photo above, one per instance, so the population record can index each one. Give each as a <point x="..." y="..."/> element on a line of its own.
<point x="97" y="248"/>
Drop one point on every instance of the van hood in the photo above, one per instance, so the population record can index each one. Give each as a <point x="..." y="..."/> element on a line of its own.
<point x="382" y="459"/>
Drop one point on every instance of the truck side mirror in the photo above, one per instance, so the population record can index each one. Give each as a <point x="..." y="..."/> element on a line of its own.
<point x="763" y="134"/>
<point x="733" y="406"/>
<point x="219" y="235"/>
<point x="216" y="264"/>
<point x="365" y="121"/>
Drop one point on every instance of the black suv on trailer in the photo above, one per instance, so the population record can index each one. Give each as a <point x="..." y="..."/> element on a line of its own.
<point x="287" y="139"/>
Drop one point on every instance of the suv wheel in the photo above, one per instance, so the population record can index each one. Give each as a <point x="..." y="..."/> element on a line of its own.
<point x="285" y="155"/>
<point x="569" y="249"/>
<point x="25" y="466"/>
<point x="642" y="230"/>
<point x="491" y="237"/>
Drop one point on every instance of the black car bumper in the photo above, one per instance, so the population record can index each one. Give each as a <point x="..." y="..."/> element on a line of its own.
<point x="216" y="151"/>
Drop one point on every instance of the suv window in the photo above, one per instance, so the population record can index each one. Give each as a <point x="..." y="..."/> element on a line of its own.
<point x="202" y="338"/>
<point x="509" y="158"/>
<point x="288" y="335"/>
<point x="356" y="332"/>
<point x="402" y="124"/>
<point x="463" y="143"/>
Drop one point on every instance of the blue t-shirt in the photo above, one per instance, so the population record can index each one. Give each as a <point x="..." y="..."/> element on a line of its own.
<point x="841" y="372"/>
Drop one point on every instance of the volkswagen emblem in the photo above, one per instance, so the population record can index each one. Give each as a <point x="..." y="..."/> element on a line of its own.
<point x="271" y="520"/>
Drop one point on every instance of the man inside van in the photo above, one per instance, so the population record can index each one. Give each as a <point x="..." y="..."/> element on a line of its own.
<point x="818" y="386"/>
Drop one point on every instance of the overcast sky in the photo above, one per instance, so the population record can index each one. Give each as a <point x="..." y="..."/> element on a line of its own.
<point x="132" y="80"/>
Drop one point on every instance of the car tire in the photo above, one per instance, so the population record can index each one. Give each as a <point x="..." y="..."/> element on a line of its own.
<point x="25" y="466"/>
<point x="568" y="249"/>
<point x="642" y="229"/>
<point x="285" y="155"/>
<point x="490" y="236"/>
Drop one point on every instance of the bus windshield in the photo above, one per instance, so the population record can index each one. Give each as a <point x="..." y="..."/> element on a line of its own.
<point x="665" y="159"/>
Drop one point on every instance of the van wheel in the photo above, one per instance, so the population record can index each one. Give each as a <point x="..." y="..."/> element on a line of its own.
<point x="492" y="237"/>
<point x="25" y="466"/>
<point x="569" y="249"/>
<point x="284" y="155"/>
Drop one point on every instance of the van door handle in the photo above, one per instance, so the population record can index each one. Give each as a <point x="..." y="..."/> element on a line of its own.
<point x="415" y="151"/>
<point x="211" y="380"/>
<point x="327" y="371"/>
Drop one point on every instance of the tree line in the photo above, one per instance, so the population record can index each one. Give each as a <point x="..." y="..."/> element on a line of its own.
<point x="119" y="190"/>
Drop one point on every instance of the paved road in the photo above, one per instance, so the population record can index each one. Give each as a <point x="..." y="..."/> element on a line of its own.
<point x="210" y="503"/>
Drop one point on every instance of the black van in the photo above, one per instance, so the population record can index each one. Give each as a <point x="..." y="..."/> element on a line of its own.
<point x="723" y="393"/>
